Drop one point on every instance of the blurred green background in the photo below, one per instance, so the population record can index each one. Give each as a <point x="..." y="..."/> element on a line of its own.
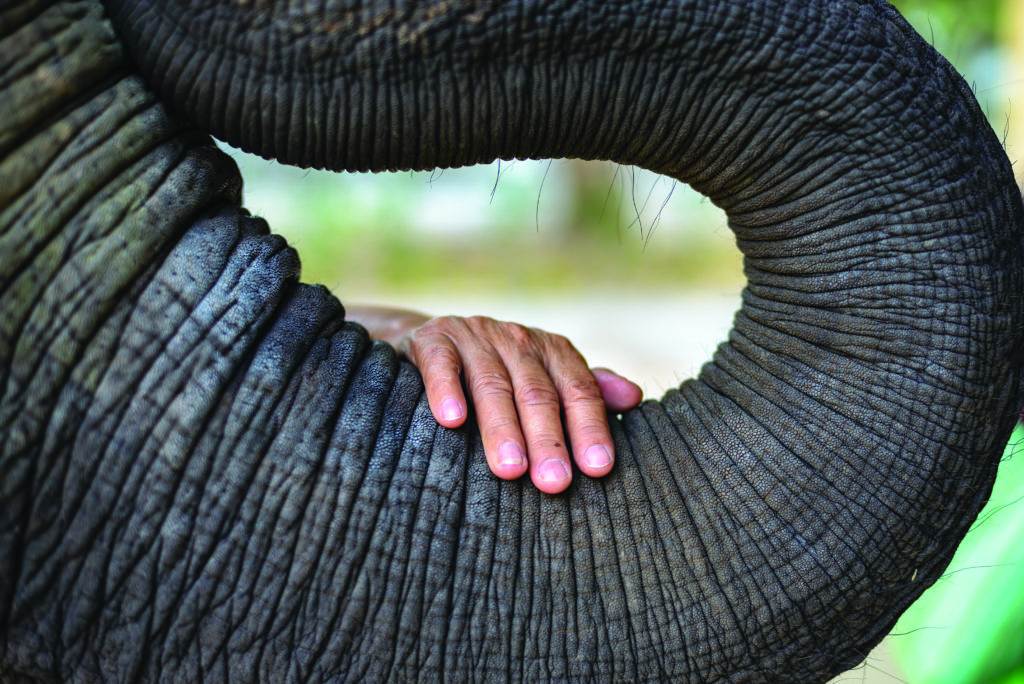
<point x="643" y="275"/>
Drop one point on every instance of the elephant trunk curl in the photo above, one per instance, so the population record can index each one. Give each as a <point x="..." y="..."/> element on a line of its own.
<point x="767" y="520"/>
<point x="842" y="440"/>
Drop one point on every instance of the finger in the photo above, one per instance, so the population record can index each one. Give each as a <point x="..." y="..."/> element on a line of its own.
<point x="539" y="415"/>
<point x="491" y="393"/>
<point x="619" y="393"/>
<point x="440" y="364"/>
<point x="585" y="414"/>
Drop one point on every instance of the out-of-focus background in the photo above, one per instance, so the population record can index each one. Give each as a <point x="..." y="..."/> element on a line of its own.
<point x="643" y="275"/>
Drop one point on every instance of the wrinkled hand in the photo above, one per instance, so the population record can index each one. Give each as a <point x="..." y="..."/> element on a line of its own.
<point x="520" y="380"/>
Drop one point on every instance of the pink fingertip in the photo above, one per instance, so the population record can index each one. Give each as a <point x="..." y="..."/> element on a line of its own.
<point x="511" y="459"/>
<point x="597" y="457"/>
<point x="619" y="393"/>
<point x="451" y="409"/>
<point x="553" y="475"/>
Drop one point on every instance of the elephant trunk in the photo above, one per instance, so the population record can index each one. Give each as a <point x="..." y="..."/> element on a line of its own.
<point x="819" y="473"/>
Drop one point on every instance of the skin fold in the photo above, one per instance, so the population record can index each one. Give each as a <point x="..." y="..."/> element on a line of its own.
<point x="208" y="473"/>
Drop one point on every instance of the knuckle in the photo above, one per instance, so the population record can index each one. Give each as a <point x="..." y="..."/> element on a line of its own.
<point x="438" y="355"/>
<point x="582" y="391"/>
<point x="490" y="384"/>
<point x="436" y="351"/>
<point x="592" y="429"/>
<point x="517" y="333"/>
<point x="442" y="324"/>
<point x="479" y="324"/>
<point x="427" y="329"/>
<point x="501" y="423"/>
<point x="561" y="343"/>
<point x="537" y="393"/>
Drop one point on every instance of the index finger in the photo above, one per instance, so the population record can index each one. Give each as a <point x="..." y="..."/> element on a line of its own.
<point x="440" y="365"/>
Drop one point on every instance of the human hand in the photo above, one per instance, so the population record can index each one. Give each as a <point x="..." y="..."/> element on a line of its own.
<point x="520" y="380"/>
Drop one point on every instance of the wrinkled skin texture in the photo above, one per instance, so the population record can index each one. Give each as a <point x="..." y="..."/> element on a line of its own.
<point x="206" y="472"/>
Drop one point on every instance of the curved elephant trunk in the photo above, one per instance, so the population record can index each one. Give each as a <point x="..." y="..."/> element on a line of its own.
<point x="767" y="520"/>
<point x="856" y="413"/>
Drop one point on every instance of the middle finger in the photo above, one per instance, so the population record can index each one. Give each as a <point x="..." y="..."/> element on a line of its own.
<point x="539" y="415"/>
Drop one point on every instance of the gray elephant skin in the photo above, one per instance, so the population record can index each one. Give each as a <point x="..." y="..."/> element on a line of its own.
<point x="207" y="474"/>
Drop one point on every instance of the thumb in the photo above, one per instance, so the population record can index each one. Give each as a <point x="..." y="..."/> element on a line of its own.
<point x="619" y="393"/>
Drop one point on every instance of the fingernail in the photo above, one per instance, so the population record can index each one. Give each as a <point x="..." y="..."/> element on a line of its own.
<point x="597" y="456"/>
<point x="553" y="471"/>
<point x="510" y="455"/>
<point x="451" y="409"/>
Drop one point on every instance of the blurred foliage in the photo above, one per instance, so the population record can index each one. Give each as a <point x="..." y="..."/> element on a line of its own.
<point x="965" y="26"/>
<point x="532" y="225"/>
<point x="969" y="627"/>
<point x="977" y="37"/>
